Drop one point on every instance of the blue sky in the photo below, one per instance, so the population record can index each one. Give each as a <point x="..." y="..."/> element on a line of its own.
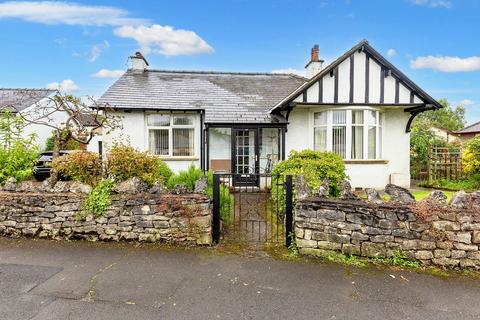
<point x="82" y="46"/>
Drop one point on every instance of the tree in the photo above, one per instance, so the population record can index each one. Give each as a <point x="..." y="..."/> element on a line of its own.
<point x="422" y="137"/>
<point x="82" y="119"/>
<point x="448" y="118"/>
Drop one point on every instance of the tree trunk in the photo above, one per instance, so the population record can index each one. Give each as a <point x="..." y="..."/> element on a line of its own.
<point x="56" y="153"/>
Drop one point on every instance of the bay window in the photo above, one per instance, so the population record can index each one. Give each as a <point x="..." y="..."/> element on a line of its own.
<point x="171" y="134"/>
<point x="354" y="134"/>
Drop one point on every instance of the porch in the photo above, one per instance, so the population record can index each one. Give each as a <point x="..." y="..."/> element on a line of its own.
<point x="246" y="150"/>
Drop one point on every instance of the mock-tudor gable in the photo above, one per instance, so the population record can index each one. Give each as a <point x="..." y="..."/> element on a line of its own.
<point x="361" y="76"/>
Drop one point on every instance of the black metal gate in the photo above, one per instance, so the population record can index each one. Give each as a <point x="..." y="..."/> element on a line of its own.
<point x="260" y="213"/>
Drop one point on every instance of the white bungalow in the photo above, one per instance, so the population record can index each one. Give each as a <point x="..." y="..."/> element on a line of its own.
<point x="360" y="106"/>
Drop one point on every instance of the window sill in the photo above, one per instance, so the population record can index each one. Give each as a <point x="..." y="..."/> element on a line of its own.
<point x="178" y="158"/>
<point x="372" y="161"/>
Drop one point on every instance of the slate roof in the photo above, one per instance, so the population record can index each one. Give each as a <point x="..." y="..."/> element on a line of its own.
<point x="225" y="97"/>
<point x="20" y="99"/>
<point x="473" y="128"/>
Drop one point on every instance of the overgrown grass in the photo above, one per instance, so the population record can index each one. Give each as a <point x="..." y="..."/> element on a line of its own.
<point x="398" y="259"/>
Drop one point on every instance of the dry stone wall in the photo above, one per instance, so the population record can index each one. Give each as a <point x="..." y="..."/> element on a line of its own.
<point x="180" y="219"/>
<point x="433" y="233"/>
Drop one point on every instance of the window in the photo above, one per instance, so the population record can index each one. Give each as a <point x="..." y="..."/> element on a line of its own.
<point x="354" y="134"/>
<point x="171" y="134"/>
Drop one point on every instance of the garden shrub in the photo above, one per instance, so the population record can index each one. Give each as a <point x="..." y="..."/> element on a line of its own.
<point x="471" y="156"/>
<point x="125" y="162"/>
<point x="187" y="177"/>
<point x="17" y="155"/>
<point x="314" y="166"/>
<point x="98" y="200"/>
<point x="18" y="161"/>
<point x="82" y="166"/>
<point x="193" y="174"/>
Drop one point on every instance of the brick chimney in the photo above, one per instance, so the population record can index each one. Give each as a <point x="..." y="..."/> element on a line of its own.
<point x="139" y="63"/>
<point x="315" y="65"/>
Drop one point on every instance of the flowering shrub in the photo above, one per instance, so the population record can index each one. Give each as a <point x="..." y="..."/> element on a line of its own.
<point x="82" y="166"/>
<point x="125" y="162"/>
<point x="471" y="156"/>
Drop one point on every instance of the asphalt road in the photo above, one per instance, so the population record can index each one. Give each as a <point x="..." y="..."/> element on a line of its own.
<point x="54" y="280"/>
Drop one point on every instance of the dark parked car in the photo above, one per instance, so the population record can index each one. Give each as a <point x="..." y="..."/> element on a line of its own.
<point x="41" y="170"/>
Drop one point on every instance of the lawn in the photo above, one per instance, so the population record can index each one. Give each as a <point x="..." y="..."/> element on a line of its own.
<point x="422" y="194"/>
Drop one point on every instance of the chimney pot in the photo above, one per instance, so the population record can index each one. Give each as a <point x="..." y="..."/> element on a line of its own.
<point x="315" y="52"/>
<point x="315" y="65"/>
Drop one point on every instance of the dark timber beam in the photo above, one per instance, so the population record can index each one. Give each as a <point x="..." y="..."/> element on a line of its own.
<point x="410" y="120"/>
<point x="320" y="90"/>
<point x="415" y="112"/>
<point x="352" y="75"/>
<point x="335" y="88"/>
<point x="367" y="78"/>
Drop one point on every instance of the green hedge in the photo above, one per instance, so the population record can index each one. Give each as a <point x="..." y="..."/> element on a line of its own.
<point x="314" y="166"/>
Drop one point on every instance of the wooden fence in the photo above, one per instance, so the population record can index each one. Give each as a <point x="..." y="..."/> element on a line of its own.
<point x="444" y="163"/>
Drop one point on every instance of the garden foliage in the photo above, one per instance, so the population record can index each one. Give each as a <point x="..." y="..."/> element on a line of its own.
<point x="68" y="142"/>
<point x="187" y="177"/>
<point x="82" y="166"/>
<point x="125" y="162"/>
<point x="314" y="166"/>
<point x="471" y="157"/>
<point x="192" y="175"/>
<point x="422" y="137"/>
<point x="17" y="155"/>
<point x="98" y="199"/>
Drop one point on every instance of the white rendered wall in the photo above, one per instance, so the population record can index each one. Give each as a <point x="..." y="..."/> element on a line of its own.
<point x="395" y="147"/>
<point x="135" y="133"/>
<point x="42" y="131"/>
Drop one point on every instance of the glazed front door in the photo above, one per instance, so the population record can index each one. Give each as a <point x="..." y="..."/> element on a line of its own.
<point x="245" y="157"/>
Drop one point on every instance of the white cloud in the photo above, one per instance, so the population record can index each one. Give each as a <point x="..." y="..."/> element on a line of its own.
<point x="105" y="73"/>
<point x="66" y="86"/>
<point x="97" y="50"/>
<point x="152" y="38"/>
<point x="447" y="64"/>
<point x="299" y="72"/>
<point x="55" y="12"/>
<point x="165" y="40"/>
<point x="433" y="3"/>
<point x="391" y="52"/>
<point x="465" y="102"/>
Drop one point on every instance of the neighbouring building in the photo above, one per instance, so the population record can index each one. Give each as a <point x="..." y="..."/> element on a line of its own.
<point x="467" y="133"/>
<point x="34" y="104"/>
<point x="359" y="106"/>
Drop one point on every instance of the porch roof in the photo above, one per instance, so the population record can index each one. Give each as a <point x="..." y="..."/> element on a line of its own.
<point x="226" y="97"/>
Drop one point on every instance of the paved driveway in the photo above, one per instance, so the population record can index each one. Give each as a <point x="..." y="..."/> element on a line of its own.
<point x="78" y="280"/>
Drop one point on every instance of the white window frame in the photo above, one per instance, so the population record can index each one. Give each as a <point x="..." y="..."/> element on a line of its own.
<point x="170" y="128"/>
<point x="379" y="124"/>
